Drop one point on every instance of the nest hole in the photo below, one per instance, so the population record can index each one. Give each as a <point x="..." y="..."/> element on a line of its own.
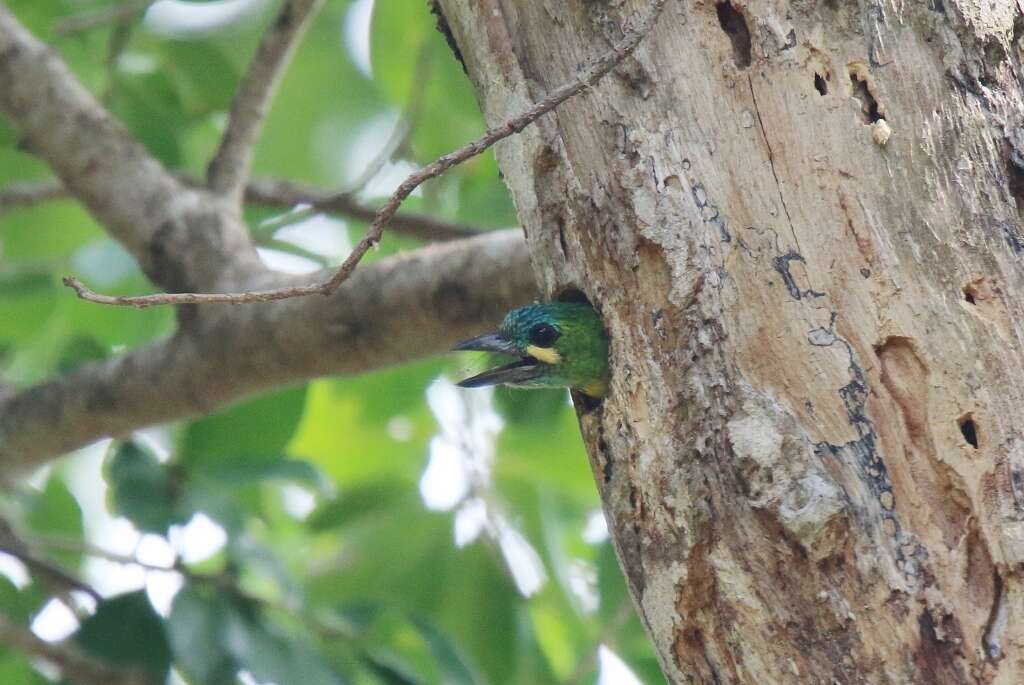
<point x="969" y="429"/>
<point x="820" y="84"/>
<point x="734" y="24"/>
<point x="869" y="106"/>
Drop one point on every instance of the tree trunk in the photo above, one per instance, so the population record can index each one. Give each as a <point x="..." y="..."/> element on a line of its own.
<point x="801" y="223"/>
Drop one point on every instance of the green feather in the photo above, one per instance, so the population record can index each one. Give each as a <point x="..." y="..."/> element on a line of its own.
<point x="560" y="344"/>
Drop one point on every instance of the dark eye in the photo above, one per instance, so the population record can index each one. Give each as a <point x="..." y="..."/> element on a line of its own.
<point x="543" y="335"/>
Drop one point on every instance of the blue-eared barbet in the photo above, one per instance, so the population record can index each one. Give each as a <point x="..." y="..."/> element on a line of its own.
<point x="559" y="344"/>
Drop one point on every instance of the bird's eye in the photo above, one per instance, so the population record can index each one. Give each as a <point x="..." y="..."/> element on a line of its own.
<point x="543" y="335"/>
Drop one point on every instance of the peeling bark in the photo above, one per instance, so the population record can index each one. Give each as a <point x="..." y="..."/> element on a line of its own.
<point x="801" y="222"/>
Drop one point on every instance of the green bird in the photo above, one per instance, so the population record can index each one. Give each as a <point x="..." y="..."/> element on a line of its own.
<point x="559" y="344"/>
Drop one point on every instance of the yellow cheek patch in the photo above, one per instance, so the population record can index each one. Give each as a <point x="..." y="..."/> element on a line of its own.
<point x="548" y="355"/>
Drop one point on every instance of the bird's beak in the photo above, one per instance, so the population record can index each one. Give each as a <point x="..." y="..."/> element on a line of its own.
<point x="526" y="368"/>
<point x="490" y="342"/>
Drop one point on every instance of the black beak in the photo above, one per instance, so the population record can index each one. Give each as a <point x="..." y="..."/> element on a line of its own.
<point x="491" y="342"/>
<point x="526" y="368"/>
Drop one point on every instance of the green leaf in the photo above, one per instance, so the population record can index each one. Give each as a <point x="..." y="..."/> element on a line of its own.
<point x="257" y="648"/>
<point x="27" y="300"/>
<point x="452" y="666"/>
<point x="239" y="472"/>
<point x="389" y="670"/>
<point x="79" y="350"/>
<point x="195" y="630"/>
<point x="55" y="512"/>
<point x="150" y="106"/>
<point x="20" y="605"/>
<point x="126" y="632"/>
<point x="260" y="427"/>
<point x="16" y="669"/>
<point x="141" y="489"/>
<point x="203" y="76"/>
<point x="358" y="502"/>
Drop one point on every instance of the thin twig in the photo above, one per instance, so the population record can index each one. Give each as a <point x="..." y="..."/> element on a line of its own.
<point x="229" y="168"/>
<point x="115" y="14"/>
<point x="76" y="666"/>
<point x="13" y="545"/>
<point x="588" y="78"/>
<point x="31" y="193"/>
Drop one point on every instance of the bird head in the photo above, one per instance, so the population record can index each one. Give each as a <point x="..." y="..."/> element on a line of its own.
<point x="558" y="344"/>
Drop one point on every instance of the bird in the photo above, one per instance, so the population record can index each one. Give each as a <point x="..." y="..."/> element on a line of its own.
<point x="559" y="344"/>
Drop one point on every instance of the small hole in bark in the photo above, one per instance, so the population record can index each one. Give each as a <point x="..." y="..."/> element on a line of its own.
<point x="868" y="104"/>
<point x="820" y="84"/>
<point x="1015" y="181"/>
<point x="969" y="430"/>
<point x="969" y="294"/>
<point x="571" y="294"/>
<point x="734" y="24"/>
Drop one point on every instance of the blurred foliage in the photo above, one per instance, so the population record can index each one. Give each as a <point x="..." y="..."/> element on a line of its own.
<point x="334" y="569"/>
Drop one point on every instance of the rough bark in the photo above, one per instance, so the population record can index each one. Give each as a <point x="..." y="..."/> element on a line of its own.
<point x="802" y="224"/>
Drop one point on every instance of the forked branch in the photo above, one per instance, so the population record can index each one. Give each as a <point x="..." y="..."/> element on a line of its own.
<point x="590" y="76"/>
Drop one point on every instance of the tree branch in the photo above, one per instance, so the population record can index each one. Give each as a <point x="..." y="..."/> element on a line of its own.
<point x="76" y="666"/>
<point x="229" y="168"/>
<point x="140" y="203"/>
<point x="114" y="14"/>
<point x="30" y="193"/>
<point x="395" y="310"/>
<point x="591" y="75"/>
<point x="271" y="193"/>
<point x="55" y="576"/>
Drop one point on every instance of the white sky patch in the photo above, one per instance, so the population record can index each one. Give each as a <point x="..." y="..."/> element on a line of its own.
<point x="319" y="234"/>
<point x="118" y="535"/>
<point x="155" y="551"/>
<point x="161" y="588"/>
<point x="157" y="439"/>
<point x="458" y="476"/>
<point x="297" y="501"/>
<point x="13" y="570"/>
<point x="356" y="34"/>
<point x="137" y="63"/>
<point x="367" y="142"/>
<point x="196" y="20"/>
<point x="199" y="539"/>
<point x="400" y="428"/>
<point x="286" y="263"/>
<point x="583" y="585"/>
<point x="596" y="529"/>
<point x="612" y="670"/>
<point x="246" y="678"/>
<point x="54" y="622"/>
<point x="387" y="179"/>
<point x="445" y="482"/>
<point x="103" y="262"/>
<point x="522" y="559"/>
<point x="470" y="521"/>
<point x="463" y="451"/>
<point x="110" y="578"/>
